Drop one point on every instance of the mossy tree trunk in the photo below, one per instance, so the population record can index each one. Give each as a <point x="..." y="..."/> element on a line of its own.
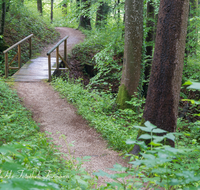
<point x="132" y="51"/>
<point x="161" y="107"/>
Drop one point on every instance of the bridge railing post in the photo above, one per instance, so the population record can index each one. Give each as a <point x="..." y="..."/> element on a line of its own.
<point x="6" y="65"/>
<point x="49" y="66"/>
<point x="19" y="56"/>
<point x="18" y="44"/>
<point x="30" y="48"/>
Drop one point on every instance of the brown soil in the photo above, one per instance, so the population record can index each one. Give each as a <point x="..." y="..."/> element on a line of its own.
<point x="56" y="115"/>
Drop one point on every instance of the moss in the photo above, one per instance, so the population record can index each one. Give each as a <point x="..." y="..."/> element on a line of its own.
<point x="122" y="97"/>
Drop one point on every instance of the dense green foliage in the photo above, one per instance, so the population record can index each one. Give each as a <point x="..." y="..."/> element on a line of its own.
<point x="24" y="146"/>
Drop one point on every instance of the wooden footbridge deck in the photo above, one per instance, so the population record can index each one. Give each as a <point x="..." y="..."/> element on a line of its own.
<point x="38" y="68"/>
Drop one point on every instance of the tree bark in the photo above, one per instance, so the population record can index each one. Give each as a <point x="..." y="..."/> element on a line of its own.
<point x="51" y="11"/>
<point x="3" y="17"/>
<point x="149" y="47"/>
<point x="39" y="6"/>
<point x="85" y="19"/>
<point x="101" y="15"/>
<point x="161" y="107"/>
<point x="132" y="51"/>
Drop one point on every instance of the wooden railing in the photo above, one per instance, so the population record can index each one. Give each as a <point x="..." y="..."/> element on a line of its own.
<point x="7" y="66"/>
<point x="58" y="56"/>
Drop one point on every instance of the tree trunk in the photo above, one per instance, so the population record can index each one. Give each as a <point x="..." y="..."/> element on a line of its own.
<point x="161" y="107"/>
<point x="51" y="11"/>
<point x="39" y="6"/>
<point x="101" y="15"/>
<point x="149" y="47"/>
<point x="3" y="17"/>
<point x="85" y="19"/>
<point x="132" y="51"/>
<point x="192" y="36"/>
<point x="64" y="9"/>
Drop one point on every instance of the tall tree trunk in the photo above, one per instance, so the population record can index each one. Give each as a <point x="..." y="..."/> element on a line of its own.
<point x="132" y="51"/>
<point x="149" y="41"/>
<point x="85" y="19"/>
<point x="3" y="17"/>
<point x="192" y="37"/>
<point x="51" y="11"/>
<point x="102" y="13"/>
<point x="39" y="6"/>
<point x="161" y="107"/>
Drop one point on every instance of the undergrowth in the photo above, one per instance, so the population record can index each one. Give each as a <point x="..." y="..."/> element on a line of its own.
<point x="28" y="159"/>
<point x="100" y="110"/>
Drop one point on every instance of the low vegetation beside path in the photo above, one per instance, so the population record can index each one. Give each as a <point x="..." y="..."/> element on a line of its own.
<point x="28" y="158"/>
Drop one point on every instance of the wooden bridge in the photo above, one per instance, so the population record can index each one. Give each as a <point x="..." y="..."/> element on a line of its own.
<point x="38" y="68"/>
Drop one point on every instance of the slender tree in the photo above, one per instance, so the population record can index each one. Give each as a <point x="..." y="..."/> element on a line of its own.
<point x="149" y="41"/>
<point x="3" y="16"/>
<point x="161" y="107"/>
<point x="102" y="13"/>
<point x="132" y="51"/>
<point x="51" y="11"/>
<point x="85" y="18"/>
<point x="39" y="6"/>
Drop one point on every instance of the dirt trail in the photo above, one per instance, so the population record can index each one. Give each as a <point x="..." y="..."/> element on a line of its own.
<point x="56" y="115"/>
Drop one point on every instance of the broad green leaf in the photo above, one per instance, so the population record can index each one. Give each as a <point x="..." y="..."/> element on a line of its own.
<point x="159" y="131"/>
<point x="175" y="182"/>
<point x="130" y="141"/>
<point x="170" y="136"/>
<point x="187" y="83"/>
<point x="145" y="136"/>
<point x="143" y="128"/>
<point x="149" y="125"/>
<point x="195" y="85"/>
<point x="118" y="167"/>
<point x="155" y="144"/>
<point x="102" y="173"/>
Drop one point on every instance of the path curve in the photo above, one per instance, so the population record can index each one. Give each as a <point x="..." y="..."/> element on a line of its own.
<point x="75" y="37"/>
<point x="55" y="115"/>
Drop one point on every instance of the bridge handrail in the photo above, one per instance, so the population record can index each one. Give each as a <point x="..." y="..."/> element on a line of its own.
<point x="18" y="43"/>
<point x="61" y="41"/>
<point x="7" y="67"/>
<point x="58" y="56"/>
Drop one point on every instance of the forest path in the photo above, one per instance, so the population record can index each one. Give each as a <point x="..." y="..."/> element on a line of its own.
<point x="57" y="116"/>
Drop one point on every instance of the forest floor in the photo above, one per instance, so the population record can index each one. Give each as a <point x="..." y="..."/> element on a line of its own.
<point x="56" y="116"/>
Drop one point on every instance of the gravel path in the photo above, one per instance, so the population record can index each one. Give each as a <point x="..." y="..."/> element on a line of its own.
<point x="55" y="115"/>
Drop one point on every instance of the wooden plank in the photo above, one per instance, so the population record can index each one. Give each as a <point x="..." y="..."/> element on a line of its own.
<point x="13" y="60"/>
<point x="14" y="68"/>
<point x="62" y="69"/>
<point x="64" y="62"/>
